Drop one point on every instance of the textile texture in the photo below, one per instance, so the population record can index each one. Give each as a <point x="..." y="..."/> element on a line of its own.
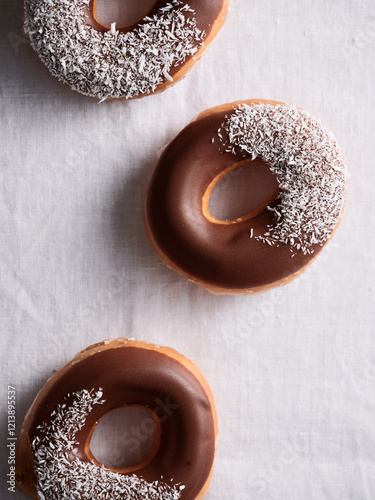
<point x="292" y="370"/>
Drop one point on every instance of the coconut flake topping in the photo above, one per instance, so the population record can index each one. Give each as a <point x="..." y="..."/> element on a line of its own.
<point x="111" y="64"/>
<point x="307" y="163"/>
<point x="62" y="476"/>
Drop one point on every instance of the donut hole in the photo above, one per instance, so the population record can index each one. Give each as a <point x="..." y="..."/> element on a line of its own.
<point x="242" y="191"/>
<point x="124" y="13"/>
<point x="125" y="439"/>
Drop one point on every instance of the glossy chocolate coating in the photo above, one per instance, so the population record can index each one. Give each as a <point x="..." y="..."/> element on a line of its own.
<point x="218" y="255"/>
<point x="136" y="376"/>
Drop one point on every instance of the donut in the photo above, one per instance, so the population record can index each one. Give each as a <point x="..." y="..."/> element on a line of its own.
<point x="54" y="459"/>
<point x="122" y="63"/>
<point x="271" y="245"/>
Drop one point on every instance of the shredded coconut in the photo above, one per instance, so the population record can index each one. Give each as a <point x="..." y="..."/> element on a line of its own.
<point x="111" y="64"/>
<point x="62" y="476"/>
<point x="308" y="165"/>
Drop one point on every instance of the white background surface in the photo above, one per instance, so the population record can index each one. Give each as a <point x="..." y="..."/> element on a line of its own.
<point x="293" y="371"/>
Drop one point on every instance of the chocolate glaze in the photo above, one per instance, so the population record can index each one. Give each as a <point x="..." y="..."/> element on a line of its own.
<point x="136" y="376"/>
<point x="219" y="255"/>
<point x="206" y="13"/>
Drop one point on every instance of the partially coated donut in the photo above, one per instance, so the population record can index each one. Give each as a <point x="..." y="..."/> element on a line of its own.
<point x="122" y="63"/>
<point x="270" y="246"/>
<point x="54" y="459"/>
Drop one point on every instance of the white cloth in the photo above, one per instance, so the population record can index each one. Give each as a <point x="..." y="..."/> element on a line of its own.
<point x="293" y="370"/>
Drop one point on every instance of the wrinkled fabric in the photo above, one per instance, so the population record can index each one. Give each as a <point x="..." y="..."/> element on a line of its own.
<point x="293" y="370"/>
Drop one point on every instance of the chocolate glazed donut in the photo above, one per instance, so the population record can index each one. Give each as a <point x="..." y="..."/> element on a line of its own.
<point x="126" y="62"/>
<point x="108" y="376"/>
<point x="223" y="256"/>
